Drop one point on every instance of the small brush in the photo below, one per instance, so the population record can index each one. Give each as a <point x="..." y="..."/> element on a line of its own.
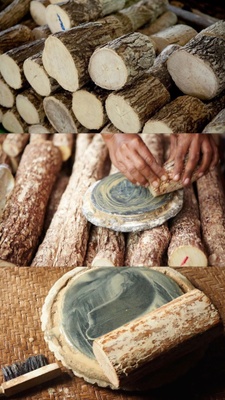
<point x="21" y="376"/>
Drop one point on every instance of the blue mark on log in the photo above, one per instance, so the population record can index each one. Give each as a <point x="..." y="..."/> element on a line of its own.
<point x="61" y="23"/>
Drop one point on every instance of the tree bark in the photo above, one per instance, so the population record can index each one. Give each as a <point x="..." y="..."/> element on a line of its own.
<point x="88" y="106"/>
<point x="184" y="114"/>
<point x="123" y="361"/>
<point x="129" y="108"/>
<point x="186" y="247"/>
<point x="38" y="11"/>
<point x="121" y="61"/>
<point x="30" y="107"/>
<point x="23" y="217"/>
<point x="178" y="34"/>
<point x="66" y="240"/>
<point x="16" y="35"/>
<point x="217" y="125"/>
<point x="14" y="13"/>
<point x="65" y="142"/>
<point x="11" y="63"/>
<point x="15" y="143"/>
<point x="13" y="122"/>
<point x="58" y="109"/>
<point x="37" y="77"/>
<point x="7" y="95"/>
<point x="212" y="214"/>
<point x="7" y="185"/>
<point x="110" y="249"/>
<point x="164" y="21"/>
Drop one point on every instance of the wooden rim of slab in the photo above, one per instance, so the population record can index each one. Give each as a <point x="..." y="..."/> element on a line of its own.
<point x="102" y="214"/>
<point x="81" y="365"/>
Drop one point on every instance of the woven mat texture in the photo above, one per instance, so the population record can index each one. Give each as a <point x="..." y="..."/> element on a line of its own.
<point x="22" y="294"/>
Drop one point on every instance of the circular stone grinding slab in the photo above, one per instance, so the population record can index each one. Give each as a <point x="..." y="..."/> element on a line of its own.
<point x="84" y="304"/>
<point x="116" y="203"/>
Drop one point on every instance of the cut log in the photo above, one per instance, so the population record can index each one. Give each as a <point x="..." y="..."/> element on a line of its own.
<point x="16" y="35"/>
<point x="184" y="114"/>
<point x="212" y="214"/>
<point x="178" y="34"/>
<point x="217" y="125"/>
<point x="129" y="108"/>
<point x="186" y="247"/>
<point x="7" y="95"/>
<point x="7" y="185"/>
<point x="45" y="127"/>
<point x="13" y="122"/>
<point x="203" y="56"/>
<point x="65" y="142"/>
<point x="38" y="11"/>
<point x="41" y="32"/>
<point x="71" y="13"/>
<point x="37" y="77"/>
<point x="88" y="105"/>
<point x="30" y="107"/>
<point x="165" y="20"/>
<point x="15" y="143"/>
<point x="11" y="63"/>
<point x="121" y="61"/>
<point x="143" y="345"/>
<point x="23" y="217"/>
<point x="58" y="109"/>
<point x="110" y="249"/>
<point x="66" y="240"/>
<point x="14" y="13"/>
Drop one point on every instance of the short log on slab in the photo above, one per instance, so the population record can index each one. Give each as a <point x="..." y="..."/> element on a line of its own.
<point x="30" y="107"/>
<point x="178" y="34"/>
<point x="164" y="21"/>
<point x="184" y="114"/>
<point x="16" y="35"/>
<point x="145" y="344"/>
<point x="186" y="247"/>
<point x="15" y="143"/>
<point x="13" y="122"/>
<point x="203" y="56"/>
<point x="14" y="13"/>
<point x="66" y="239"/>
<point x="7" y="95"/>
<point x="68" y="14"/>
<point x="121" y="61"/>
<point x="65" y="142"/>
<point x="37" y="77"/>
<point x="58" y="109"/>
<point x="88" y="105"/>
<point x="38" y="11"/>
<point x="11" y="63"/>
<point x="23" y="217"/>
<point x="129" y="108"/>
<point x="217" y="125"/>
<point x="212" y="214"/>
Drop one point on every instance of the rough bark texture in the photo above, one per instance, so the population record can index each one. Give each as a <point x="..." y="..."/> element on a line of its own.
<point x="7" y="95"/>
<point x="66" y="240"/>
<point x="13" y="122"/>
<point x="164" y="21"/>
<point x="121" y="61"/>
<point x="13" y="13"/>
<point x="7" y="185"/>
<point x="30" y="107"/>
<point x="110" y="248"/>
<point x="37" y="77"/>
<point x="15" y="143"/>
<point x="212" y="214"/>
<point x="65" y="142"/>
<point x="189" y="316"/>
<point x="16" y="35"/>
<point x="11" y="63"/>
<point x="178" y="34"/>
<point x="129" y="108"/>
<point x="186" y="247"/>
<point x="58" y="109"/>
<point x="191" y="116"/>
<point x="217" y="125"/>
<point x="23" y="217"/>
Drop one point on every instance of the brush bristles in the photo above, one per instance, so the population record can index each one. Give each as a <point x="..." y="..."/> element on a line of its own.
<point x="21" y="368"/>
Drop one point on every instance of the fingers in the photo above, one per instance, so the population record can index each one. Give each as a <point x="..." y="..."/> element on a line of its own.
<point x="180" y="153"/>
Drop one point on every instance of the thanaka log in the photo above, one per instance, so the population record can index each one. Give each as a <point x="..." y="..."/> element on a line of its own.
<point x="30" y="107"/>
<point x="45" y="127"/>
<point x="41" y="32"/>
<point x="16" y="35"/>
<point x="65" y="142"/>
<point x="15" y="143"/>
<point x="217" y="125"/>
<point x="164" y="21"/>
<point x="14" y="13"/>
<point x="7" y="95"/>
<point x="13" y="122"/>
<point x="38" y="11"/>
<point x="178" y="34"/>
<point x="23" y="217"/>
<point x="186" y="247"/>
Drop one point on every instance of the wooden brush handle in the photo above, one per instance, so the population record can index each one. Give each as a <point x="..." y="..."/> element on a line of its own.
<point x="30" y="379"/>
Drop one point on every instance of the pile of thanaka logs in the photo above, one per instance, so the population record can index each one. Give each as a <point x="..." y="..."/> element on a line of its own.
<point x="42" y="223"/>
<point x="76" y="66"/>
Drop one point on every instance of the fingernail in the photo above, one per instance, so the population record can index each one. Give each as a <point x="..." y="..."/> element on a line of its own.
<point x="138" y="184"/>
<point x="200" y="174"/>
<point x="164" y="178"/>
<point x="155" y="184"/>
<point x="176" y="177"/>
<point x="186" y="181"/>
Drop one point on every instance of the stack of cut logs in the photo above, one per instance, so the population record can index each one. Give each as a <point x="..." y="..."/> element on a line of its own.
<point x="42" y="223"/>
<point x="101" y="65"/>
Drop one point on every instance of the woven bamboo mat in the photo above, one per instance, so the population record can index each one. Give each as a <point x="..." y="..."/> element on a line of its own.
<point x="22" y="294"/>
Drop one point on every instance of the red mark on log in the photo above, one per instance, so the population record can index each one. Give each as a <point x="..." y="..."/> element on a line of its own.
<point x="184" y="261"/>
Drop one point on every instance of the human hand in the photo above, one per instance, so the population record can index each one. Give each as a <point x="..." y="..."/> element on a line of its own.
<point x="200" y="150"/>
<point x="132" y="157"/>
